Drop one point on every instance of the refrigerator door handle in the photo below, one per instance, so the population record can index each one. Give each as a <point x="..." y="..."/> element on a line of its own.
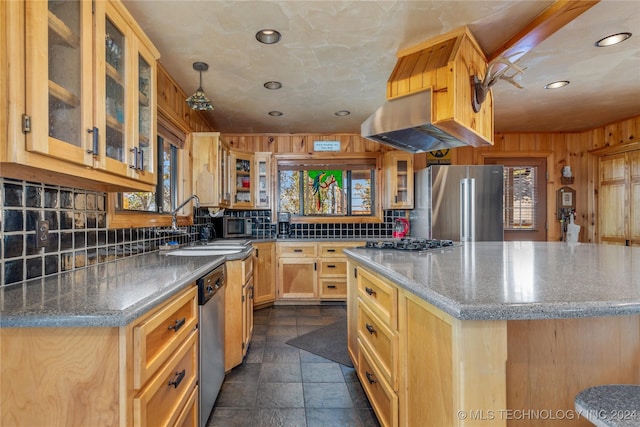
<point x="467" y="209"/>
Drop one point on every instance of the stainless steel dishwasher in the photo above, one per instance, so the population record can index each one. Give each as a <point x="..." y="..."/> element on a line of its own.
<point x="211" y="352"/>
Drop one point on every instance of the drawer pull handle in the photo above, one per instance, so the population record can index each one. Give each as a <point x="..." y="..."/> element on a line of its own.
<point x="179" y="324"/>
<point x="331" y="250"/>
<point x="177" y="379"/>
<point x="370" y="377"/>
<point x="370" y="291"/>
<point x="331" y="266"/>
<point x="297" y="250"/>
<point x="370" y="328"/>
<point x="331" y="286"/>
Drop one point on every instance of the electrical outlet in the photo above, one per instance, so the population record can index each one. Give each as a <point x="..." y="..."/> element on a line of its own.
<point x="42" y="233"/>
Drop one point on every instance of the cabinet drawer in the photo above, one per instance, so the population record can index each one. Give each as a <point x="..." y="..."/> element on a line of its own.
<point x="383" y="400"/>
<point x="335" y="249"/>
<point x="333" y="268"/>
<point x="158" y="336"/>
<point x="380" y="297"/>
<point x="161" y="402"/>
<point x="381" y="342"/>
<point x="333" y="288"/>
<point x="299" y="250"/>
<point x="189" y="415"/>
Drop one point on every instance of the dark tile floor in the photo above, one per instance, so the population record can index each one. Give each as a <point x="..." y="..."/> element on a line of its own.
<point x="281" y="385"/>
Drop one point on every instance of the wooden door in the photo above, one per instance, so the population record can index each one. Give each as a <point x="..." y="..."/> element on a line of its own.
<point x="264" y="273"/>
<point x="297" y="278"/>
<point x="619" y="198"/>
<point x="525" y="217"/>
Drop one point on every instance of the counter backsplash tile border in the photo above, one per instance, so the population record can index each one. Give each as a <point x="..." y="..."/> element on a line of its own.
<point x="78" y="234"/>
<point x="79" y="237"/>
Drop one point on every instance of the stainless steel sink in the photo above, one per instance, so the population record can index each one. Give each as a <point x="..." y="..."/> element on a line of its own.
<point x="204" y="251"/>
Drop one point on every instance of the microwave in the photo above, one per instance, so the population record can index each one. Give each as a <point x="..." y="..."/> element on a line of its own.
<point x="236" y="227"/>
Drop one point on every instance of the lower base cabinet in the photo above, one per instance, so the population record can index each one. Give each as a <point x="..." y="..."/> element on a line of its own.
<point x="312" y="272"/>
<point x="418" y="365"/>
<point x="142" y="374"/>
<point x="238" y="301"/>
<point x="264" y="292"/>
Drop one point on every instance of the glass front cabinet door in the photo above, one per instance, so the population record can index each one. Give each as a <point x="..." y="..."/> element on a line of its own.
<point x="242" y="181"/>
<point x="98" y="72"/>
<point x="59" y="64"/>
<point x="262" y="166"/>
<point x="398" y="169"/>
<point x="125" y="94"/>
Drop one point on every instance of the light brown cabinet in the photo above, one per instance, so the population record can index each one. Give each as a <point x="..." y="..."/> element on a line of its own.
<point x="210" y="169"/>
<point x="250" y="177"/>
<point x="312" y="271"/>
<point x="376" y="328"/>
<point x="263" y="180"/>
<point x="142" y="374"/>
<point x="398" y="180"/>
<point x="98" y="69"/>
<point x="264" y="289"/>
<point x="242" y="179"/>
<point x="238" y="311"/>
<point x="410" y="356"/>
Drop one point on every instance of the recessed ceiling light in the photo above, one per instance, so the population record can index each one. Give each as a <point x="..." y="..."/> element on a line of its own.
<point x="612" y="39"/>
<point x="268" y="36"/>
<point x="556" y="85"/>
<point x="275" y="113"/>
<point x="342" y="113"/>
<point x="273" y="85"/>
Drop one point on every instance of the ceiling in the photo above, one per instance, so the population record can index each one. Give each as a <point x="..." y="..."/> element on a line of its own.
<point x="338" y="55"/>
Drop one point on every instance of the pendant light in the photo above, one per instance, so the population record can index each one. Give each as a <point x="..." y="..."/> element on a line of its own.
<point x="199" y="101"/>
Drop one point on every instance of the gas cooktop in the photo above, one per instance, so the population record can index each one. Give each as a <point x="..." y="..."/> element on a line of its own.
<point x="411" y="244"/>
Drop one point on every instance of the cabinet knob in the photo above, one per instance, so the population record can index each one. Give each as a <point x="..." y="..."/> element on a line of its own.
<point x="370" y="291"/>
<point x="370" y="328"/>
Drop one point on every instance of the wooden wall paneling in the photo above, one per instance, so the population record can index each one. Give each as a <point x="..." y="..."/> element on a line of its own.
<point x="302" y="143"/>
<point x="631" y="129"/>
<point x="613" y="134"/>
<point x="283" y="144"/>
<point x="266" y="144"/>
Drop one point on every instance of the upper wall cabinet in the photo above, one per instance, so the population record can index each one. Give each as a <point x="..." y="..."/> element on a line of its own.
<point x="210" y="169"/>
<point x="262" y="190"/>
<point x="125" y="97"/>
<point x="242" y="180"/>
<point x="398" y="170"/>
<point x="90" y="84"/>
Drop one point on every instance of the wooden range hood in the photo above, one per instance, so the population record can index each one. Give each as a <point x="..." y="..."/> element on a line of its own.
<point x="441" y="72"/>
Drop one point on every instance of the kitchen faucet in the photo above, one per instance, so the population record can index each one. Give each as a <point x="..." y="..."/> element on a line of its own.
<point x="174" y="214"/>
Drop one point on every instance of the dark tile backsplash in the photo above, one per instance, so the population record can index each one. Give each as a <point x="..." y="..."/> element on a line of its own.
<point x="78" y="234"/>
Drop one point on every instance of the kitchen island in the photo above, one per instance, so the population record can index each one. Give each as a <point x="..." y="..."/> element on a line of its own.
<point x="492" y="333"/>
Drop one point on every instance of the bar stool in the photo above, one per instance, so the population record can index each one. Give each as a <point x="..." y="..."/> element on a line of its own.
<point x="611" y="405"/>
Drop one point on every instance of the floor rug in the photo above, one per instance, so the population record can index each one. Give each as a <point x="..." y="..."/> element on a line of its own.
<point x="329" y="342"/>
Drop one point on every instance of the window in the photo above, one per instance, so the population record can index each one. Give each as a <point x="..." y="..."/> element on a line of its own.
<point x="520" y="197"/>
<point x="141" y="209"/>
<point x="315" y="188"/>
<point x="524" y="197"/>
<point x="164" y="197"/>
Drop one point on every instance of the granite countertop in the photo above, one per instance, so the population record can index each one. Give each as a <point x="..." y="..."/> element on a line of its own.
<point x="610" y="405"/>
<point x="516" y="280"/>
<point x="105" y="295"/>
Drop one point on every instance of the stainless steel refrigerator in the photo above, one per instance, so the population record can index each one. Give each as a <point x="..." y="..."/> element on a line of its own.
<point x="460" y="203"/>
